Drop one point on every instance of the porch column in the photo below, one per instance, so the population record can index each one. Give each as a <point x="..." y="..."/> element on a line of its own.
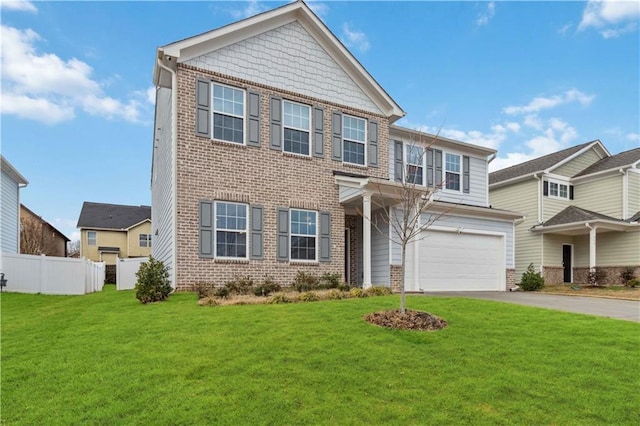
<point x="366" y="240"/>
<point x="592" y="247"/>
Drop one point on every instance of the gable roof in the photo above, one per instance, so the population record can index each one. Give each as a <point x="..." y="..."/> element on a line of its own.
<point x="537" y="164"/>
<point x="44" y="222"/>
<point x="111" y="216"/>
<point x="198" y="45"/>
<point x="626" y="158"/>
<point x="573" y="214"/>
<point x="439" y="140"/>
<point x="11" y="171"/>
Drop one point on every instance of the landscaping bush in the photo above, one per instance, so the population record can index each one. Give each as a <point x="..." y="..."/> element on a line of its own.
<point x="208" y="301"/>
<point x="221" y="292"/>
<point x="357" y="292"/>
<point x="632" y="283"/>
<point x="627" y="274"/>
<point x="153" y="281"/>
<point x="205" y="289"/>
<point x="531" y="280"/>
<point x="329" y="280"/>
<point x="279" y="298"/>
<point x="240" y="285"/>
<point x="336" y="294"/>
<point x="267" y="287"/>
<point x="596" y="277"/>
<point x="308" y="297"/>
<point x="305" y="281"/>
<point x="378" y="291"/>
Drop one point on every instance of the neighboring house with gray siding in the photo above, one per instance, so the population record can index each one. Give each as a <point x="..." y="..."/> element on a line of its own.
<point x="271" y="142"/>
<point x="11" y="183"/>
<point x="582" y="206"/>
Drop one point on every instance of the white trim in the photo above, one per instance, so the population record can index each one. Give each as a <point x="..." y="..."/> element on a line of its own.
<point x="291" y="234"/>
<point x="298" y="129"/>
<point x="577" y="154"/>
<point x="459" y="173"/>
<point x="406" y="164"/>
<point x="625" y="195"/>
<point x="216" y="229"/>
<point x="572" y="260"/>
<point x="365" y="143"/>
<point x="558" y="184"/>
<point x="244" y="113"/>
<point x="95" y="243"/>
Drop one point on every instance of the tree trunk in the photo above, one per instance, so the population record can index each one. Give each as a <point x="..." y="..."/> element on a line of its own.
<point x="402" y="295"/>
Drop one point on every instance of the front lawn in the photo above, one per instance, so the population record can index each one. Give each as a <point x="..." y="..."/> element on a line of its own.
<point x="106" y="359"/>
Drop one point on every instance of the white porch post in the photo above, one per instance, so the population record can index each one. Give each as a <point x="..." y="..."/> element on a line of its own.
<point x="366" y="240"/>
<point x="592" y="247"/>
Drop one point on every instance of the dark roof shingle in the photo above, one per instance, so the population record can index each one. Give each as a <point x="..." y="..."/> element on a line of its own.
<point x="573" y="214"/>
<point x="622" y="159"/>
<point x="111" y="216"/>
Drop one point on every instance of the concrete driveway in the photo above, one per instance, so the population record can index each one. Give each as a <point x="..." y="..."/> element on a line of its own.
<point x="612" y="308"/>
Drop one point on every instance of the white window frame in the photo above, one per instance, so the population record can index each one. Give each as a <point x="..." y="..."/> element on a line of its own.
<point x="407" y="164"/>
<point x="445" y="170"/>
<point x="147" y="240"/>
<point x="243" y="116"/>
<point x="291" y="235"/>
<point x="308" y="154"/>
<point x="364" y="142"/>
<point x="95" y="238"/>
<point x="557" y="191"/>
<point x="239" y="231"/>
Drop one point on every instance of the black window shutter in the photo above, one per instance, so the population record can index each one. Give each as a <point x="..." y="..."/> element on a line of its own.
<point x="325" y="237"/>
<point x="203" y="107"/>
<point x="571" y="192"/>
<point x="398" y="161"/>
<point x="438" y="181"/>
<point x="206" y="229"/>
<point x="465" y="174"/>
<point x="336" y="140"/>
<point x="282" y="246"/>
<point x="373" y="144"/>
<point x="318" y="132"/>
<point x="256" y="233"/>
<point x="275" y="110"/>
<point x="430" y="167"/>
<point x="545" y="188"/>
<point x="253" y="122"/>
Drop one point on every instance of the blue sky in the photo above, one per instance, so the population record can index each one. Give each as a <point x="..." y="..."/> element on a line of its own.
<point x="526" y="78"/>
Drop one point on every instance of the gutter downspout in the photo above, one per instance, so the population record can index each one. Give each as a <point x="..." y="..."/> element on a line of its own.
<point x="625" y="193"/>
<point x="174" y="173"/>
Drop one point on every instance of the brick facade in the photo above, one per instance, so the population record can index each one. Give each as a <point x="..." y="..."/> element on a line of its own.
<point x="612" y="274"/>
<point x="396" y="278"/>
<point x="212" y="170"/>
<point x="553" y="274"/>
<point x="511" y="278"/>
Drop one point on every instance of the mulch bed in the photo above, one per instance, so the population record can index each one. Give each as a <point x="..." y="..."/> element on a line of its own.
<point x="411" y="320"/>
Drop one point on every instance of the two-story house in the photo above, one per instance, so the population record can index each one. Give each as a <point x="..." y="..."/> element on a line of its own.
<point x="37" y="236"/>
<point x="271" y="142"/>
<point x="582" y="208"/>
<point x="10" y="186"/>
<point x="110" y="231"/>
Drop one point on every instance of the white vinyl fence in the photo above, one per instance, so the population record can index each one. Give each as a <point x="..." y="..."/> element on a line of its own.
<point x="126" y="272"/>
<point x="51" y="275"/>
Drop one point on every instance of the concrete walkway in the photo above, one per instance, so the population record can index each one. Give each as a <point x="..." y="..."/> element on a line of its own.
<point x="612" y="308"/>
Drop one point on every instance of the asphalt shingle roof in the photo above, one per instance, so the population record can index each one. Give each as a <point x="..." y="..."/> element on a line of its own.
<point x="535" y="165"/>
<point x="622" y="159"/>
<point x="573" y="214"/>
<point x="111" y="216"/>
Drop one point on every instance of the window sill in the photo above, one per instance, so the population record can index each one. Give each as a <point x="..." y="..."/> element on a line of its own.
<point x="304" y="263"/>
<point x="227" y="143"/>
<point x="231" y="261"/>
<point x="355" y="166"/>
<point x="293" y="154"/>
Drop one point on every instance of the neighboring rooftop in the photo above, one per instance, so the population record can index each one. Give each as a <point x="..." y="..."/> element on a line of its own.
<point x="112" y="216"/>
<point x="625" y="158"/>
<point x="44" y="222"/>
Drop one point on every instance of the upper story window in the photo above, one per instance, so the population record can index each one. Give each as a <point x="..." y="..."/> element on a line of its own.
<point x="452" y="172"/>
<point x="297" y="127"/>
<point x="230" y="230"/>
<point x="92" y="238"/>
<point x="228" y="113"/>
<point x="414" y="158"/>
<point x="354" y="140"/>
<point x="558" y="190"/>
<point x="304" y="232"/>
<point x="145" y="240"/>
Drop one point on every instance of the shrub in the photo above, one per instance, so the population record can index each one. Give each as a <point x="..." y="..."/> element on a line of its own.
<point x="344" y="287"/>
<point x="357" y="292"/>
<point x="279" y="298"/>
<point x="329" y="280"/>
<point x="335" y="294"/>
<point x="240" y="285"/>
<point x="596" y="276"/>
<point x="378" y="291"/>
<point x="531" y="280"/>
<point x="221" y="292"/>
<point x="153" y="281"/>
<point x="308" y="297"/>
<point x="204" y="289"/>
<point x="208" y="301"/>
<point x="627" y="274"/>
<point x="305" y="281"/>
<point x="267" y="287"/>
<point x="632" y="283"/>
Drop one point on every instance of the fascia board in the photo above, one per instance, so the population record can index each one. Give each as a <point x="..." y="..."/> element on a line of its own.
<point x="437" y="140"/>
<point x="575" y="155"/>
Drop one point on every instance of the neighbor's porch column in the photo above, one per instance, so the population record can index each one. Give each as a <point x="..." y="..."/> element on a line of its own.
<point x="592" y="247"/>
<point x="366" y="240"/>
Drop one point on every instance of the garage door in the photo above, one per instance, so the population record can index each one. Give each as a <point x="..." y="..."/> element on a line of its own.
<point x="449" y="261"/>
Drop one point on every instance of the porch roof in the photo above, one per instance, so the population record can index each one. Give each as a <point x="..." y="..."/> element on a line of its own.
<point x="577" y="221"/>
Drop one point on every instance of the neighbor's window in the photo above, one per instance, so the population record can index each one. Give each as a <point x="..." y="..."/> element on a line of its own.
<point x="558" y="190"/>
<point x="415" y="164"/>
<point x="231" y="230"/>
<point x="452" y="172"/>
<point x="145" y="240"/>
<point x="297" y="125"/>
<point x="92" y="237"/>
<point x="304" y="230"/>
<point x="228" y="114"/>
<point x="354" y="140"/>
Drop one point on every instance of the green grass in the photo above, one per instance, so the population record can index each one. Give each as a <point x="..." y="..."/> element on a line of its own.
<point x="106" y="359"/>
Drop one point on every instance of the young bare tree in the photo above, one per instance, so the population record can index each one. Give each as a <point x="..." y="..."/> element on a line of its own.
<point x="31" y="241"/>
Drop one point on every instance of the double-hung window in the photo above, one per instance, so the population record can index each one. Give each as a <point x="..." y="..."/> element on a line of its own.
<point x="228" y="114"/>
<point x="297" y="127"/>
<point x="558" y="190"/>
<point x="304" y="235"/>
<point x="92" y="238"/>
<point x="354" y="140"/>
<point x="452" y="172"/>
<point x="231" y="230"/>
<point x="145" y="240"/>
<point x="414" y="156"/>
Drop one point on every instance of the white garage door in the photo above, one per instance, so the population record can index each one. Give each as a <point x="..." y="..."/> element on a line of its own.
<point x="448" y="261"/>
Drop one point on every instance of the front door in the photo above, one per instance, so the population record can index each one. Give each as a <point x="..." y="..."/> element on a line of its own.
<point x="566" y="263"/>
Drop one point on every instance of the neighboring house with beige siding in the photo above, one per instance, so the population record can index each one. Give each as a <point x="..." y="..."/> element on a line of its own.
<point x="271" y="141"/>
<point x="582" y="208"/>
<point x="110" y="231"/>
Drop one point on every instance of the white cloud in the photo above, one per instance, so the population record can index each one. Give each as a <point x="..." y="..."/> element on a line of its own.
<point x="46" y="88"/>
<point x="563" y="29"/>
<point x="354" y="39"/>
<point x="541" y="103"/>
<point x="633" y="137"/>
<point x="151" y="95"/>
<point x="249" y="8"/>
<point x="485" y="16"/>
<point x="18" y="5"/>
<point x="319" y="8"/>
<point x="611" y="17"/>
<point x="509" y="160"/>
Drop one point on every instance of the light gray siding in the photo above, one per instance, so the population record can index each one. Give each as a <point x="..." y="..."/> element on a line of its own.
<point x="162" y="189"/>
<point x="10" y="214"/>
<point x="304" y="67"/>
<point x="578" y="164"/>
<point x="346" y="192"/>
<point x="380" y="252"/>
